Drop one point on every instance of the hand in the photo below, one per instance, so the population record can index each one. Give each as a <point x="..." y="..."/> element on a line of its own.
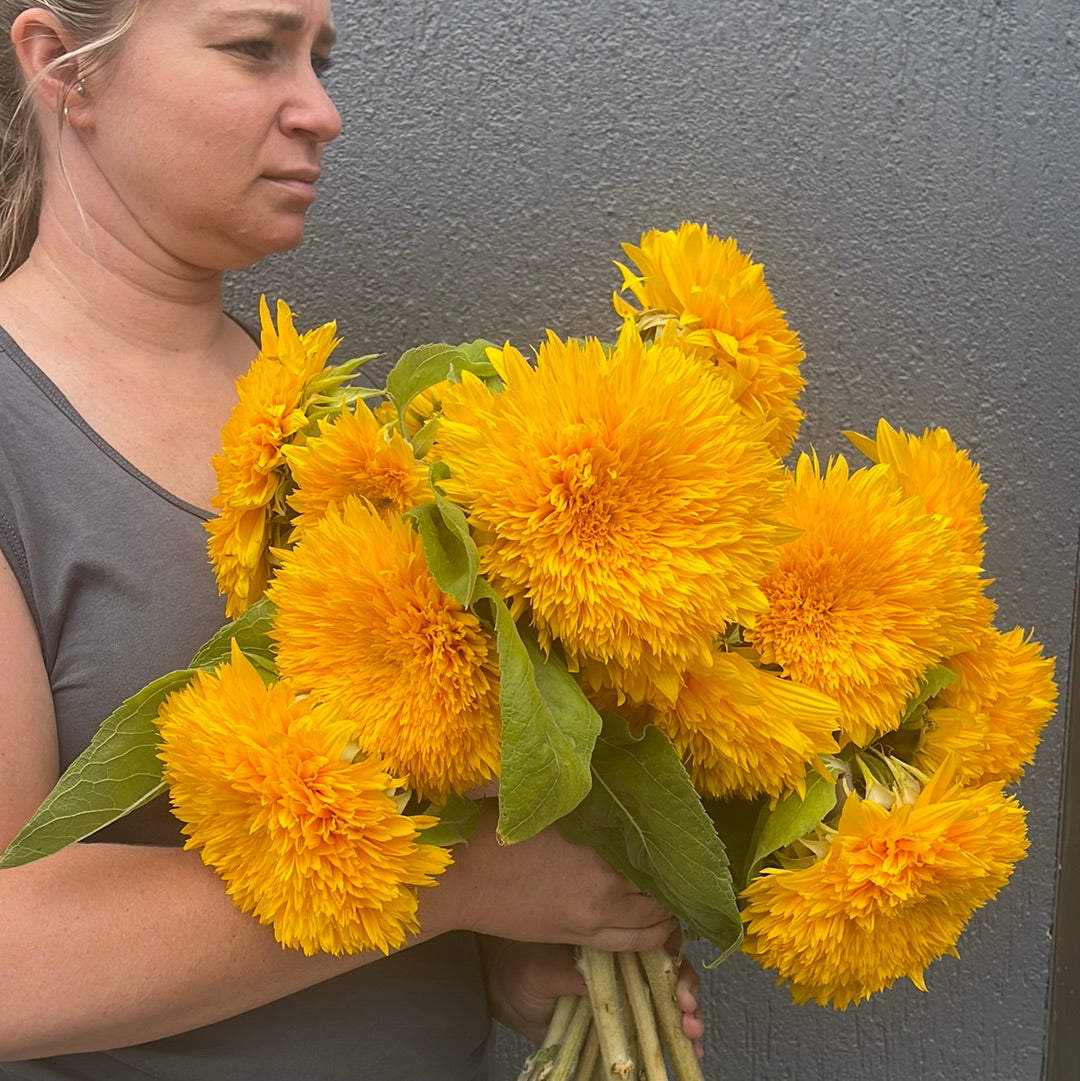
<point x="525" y="980"/>
<point x="545" y="889"/>
<point x="687" y="986"/>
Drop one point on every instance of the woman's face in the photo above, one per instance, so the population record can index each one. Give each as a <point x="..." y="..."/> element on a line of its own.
<point x="205" y="128"/>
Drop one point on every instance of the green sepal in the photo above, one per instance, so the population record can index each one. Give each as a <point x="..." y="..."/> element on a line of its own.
<point x="424" y="439"/>
<point x="794" y="816"/>
<point x="448" y="547"/>
<point x="645" y="817"/>
<point x="427" y="365"/>
<point x="118" y="772"/>
<point x="549" y="728"/>
<point x="252" y="633"/>
<point x="457" y="817"/>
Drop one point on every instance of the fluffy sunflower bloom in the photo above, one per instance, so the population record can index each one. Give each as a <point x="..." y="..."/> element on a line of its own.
<point x="744" y="731"/>
<point x="274" y="396"/>
<point x="622" y="497"/>
<point x="361" y="622"/>
<point x="871" y="594"/>
<point x="726" y="318"/>
<point x="354" y="454"/>
<point x="308" y="839"/>
<point x="1004" y="691"/>
<point x="931" y="468"/>
<point x="892" y="892"/>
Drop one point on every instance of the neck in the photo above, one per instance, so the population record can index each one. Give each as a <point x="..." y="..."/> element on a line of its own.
<point x="87" y="280"/>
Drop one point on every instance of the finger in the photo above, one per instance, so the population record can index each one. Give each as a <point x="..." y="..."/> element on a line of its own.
<point x="639" y="910"/>
<point x="621" y="939"/>
<point x="686" y="988"/>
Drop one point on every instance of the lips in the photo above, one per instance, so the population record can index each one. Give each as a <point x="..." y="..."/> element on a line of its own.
<point x="300" y="182"/>
<point x="306" y="175"/>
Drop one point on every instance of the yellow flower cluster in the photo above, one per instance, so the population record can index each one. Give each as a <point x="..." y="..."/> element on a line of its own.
<point x="621" y="498"/>
<point x="892" y="891"/>
<point x="742" y="729"/>
<point x="305" y="833"/>
<point x="361" y="622"/>
<point x="883" y="586"/>
<point x="354" y="455"/>
<point x="273" y="398"/>
<point x="629" y="503"/>
<point x="726" y="319"/>
<point x="871" y="594"/>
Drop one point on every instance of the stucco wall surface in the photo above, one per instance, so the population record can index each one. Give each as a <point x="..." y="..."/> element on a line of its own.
<point x="907" y="173"/>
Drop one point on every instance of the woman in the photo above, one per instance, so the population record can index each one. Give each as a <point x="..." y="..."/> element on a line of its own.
<point x="155" y="145"/>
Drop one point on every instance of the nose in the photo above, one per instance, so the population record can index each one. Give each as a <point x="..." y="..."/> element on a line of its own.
<point x="310" y="111"/>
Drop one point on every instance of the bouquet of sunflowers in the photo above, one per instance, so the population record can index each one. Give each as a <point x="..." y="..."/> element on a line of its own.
<point x="774" y="697"/>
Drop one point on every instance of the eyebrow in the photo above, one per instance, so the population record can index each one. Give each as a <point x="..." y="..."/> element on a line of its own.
<point x="281" y="19"/>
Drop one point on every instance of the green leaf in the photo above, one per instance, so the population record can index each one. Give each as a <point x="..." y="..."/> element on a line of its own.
<point x="419" y="369"/>
<point x="476" y="359"/>
<point x="735" y="821"/>
<point x="427" y="365"/>
<point x="793" y="817"/>
<point x="549" y="729"/>
<point x="936" y="678"/>
<point x="448" y="546"/>
<point x="644" y="816"/>
<point x="252" y="633"/>
<point x="118" y="772"/>
<point x="457" y="817"/>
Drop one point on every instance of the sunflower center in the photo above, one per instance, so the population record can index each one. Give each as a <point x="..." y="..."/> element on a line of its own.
<point x="802" y="616"/>
<point x="583" y="500"/>
<point x="443" y="648"/>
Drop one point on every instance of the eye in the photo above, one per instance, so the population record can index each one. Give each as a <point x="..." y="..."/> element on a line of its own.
<point x="321" y="64"/>
<point x="257" y="50"/>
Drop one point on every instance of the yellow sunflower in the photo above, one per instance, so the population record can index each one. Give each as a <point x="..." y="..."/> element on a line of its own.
<point x="949" y="732"/>
<point x="871" y="594"/>
<point x="354" y="455"/>
<point x="361" y="622"/>
<point x="892" y="892"/>
<point x="931" y="468"/>
<point x="726" y="318"/>
<point x="1005" y="691"/>
<point x="274" y="395"/>
<point x="743" y="731"/>
<point x="307" y="838"/>
<point x="622" y="497"/>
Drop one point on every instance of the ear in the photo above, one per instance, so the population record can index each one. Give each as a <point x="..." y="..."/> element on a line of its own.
<point x="41" y="43"/>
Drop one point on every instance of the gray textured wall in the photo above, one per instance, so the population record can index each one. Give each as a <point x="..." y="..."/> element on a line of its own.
<point x="907" y="173"/>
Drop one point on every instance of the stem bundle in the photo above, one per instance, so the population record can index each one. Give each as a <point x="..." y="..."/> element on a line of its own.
<point x="628" y="1027"/>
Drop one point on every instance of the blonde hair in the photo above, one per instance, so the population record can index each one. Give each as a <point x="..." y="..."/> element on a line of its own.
<point x="95" y="25"/>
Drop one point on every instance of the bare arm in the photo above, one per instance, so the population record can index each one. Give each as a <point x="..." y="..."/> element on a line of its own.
<point x="108" y="945"/>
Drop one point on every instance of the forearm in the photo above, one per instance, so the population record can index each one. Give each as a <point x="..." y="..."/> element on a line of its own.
<point x="107" y="945"/>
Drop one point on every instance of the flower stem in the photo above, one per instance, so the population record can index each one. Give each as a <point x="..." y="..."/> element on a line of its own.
<point x="589" y="1063"/>
<point x="564" y="1066"/>
<point x="644" y="1013"/>
<point x="599" y="969"/>
<point x="660" y="971"/>
<point x="553" y="1038"/>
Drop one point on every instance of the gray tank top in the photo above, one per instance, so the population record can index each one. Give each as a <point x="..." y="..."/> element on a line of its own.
<point x="115" y="573"/>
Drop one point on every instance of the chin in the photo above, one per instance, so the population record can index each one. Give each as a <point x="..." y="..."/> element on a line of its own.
<point x="258" y="248"/>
